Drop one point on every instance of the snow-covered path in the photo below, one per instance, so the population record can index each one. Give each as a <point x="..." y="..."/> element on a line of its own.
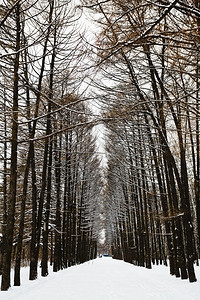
<point x="106" y="279"/>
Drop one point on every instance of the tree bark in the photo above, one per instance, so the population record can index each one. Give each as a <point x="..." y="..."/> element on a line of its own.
<point x="8" y="240"/>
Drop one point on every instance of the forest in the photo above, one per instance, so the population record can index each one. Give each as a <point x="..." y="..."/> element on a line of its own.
<point x="132" y="69"/>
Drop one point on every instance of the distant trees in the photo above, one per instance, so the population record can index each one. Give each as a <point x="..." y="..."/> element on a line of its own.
<point x="148" y="61"/>
<point x="48" y="201"/>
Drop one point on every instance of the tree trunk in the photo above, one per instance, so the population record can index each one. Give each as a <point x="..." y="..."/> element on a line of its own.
<point x="44" y="263"/>
<point x="8" y="240"/>
<point x="57" y="251"/>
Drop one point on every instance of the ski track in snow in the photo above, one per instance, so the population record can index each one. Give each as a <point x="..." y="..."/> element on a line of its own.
<point x="105" y="279"/>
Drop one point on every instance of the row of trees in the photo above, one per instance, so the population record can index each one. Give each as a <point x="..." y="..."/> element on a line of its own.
<point x="50" y="174"/>
<point x="147" y="54"/>
<point x="148" y="58"/>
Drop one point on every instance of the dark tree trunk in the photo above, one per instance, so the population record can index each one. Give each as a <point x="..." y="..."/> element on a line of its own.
<point x="33" y="261"/>
<point x="57" y="251"/>
<point x="4" y="193"/>
<point x="26" y="174"/>
<point x="8" y="240"/>
<point x="21" y="226"/>
<point x="44" y="263"/>
<point x="48" y="131"/>
<point x="65" y="206"/>
<point x="37" y="216"/>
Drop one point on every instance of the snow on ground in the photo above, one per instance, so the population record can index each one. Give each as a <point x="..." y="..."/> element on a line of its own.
<point x="105" y="279"/>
